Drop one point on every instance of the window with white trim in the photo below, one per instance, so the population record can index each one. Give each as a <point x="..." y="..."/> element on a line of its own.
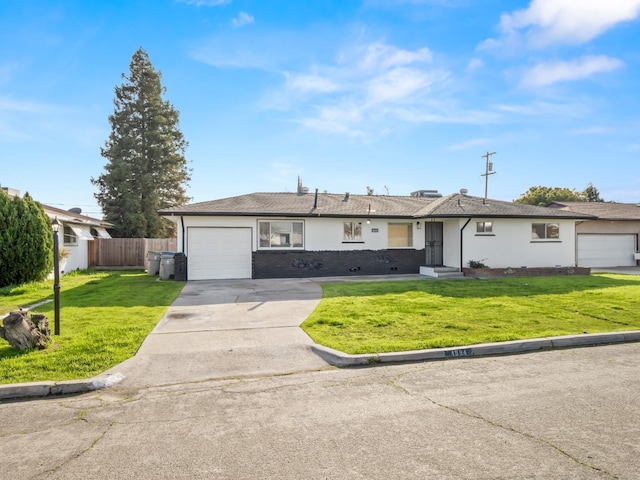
<point x="545" y="231"/>
<point x="69" y="237"/>
<point x="400" y="235"/>
<point x="281" y="234"/>
<point x="352" y="232"/>
<point x="484" y="227"/>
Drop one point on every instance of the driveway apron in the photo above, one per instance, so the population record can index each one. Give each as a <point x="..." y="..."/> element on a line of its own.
<point x="228" y="328"/>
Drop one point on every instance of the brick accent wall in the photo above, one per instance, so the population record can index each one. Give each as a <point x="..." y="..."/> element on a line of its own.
<point x="270" y="264"/>
<point x="524" y="272"/>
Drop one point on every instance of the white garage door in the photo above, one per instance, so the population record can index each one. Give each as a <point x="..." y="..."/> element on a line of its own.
<point x="218" y="253"/>
<point x="606" y="250"/>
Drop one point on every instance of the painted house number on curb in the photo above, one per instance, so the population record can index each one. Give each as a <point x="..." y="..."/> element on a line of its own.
<point x="463" y="352"/>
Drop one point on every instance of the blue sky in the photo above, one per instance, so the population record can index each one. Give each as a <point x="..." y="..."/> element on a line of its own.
<point x="395" y="95"/>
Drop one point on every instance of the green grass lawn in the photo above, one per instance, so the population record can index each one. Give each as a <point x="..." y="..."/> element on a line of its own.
<point x="378" y="317"/>
<point x="104" y="317"/>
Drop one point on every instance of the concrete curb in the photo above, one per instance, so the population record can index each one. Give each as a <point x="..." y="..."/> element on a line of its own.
<point x="44" y="389"/>
<point x="340" y="359"/>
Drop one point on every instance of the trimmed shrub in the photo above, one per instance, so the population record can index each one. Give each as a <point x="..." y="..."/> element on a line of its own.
<point x="26" y="241"/>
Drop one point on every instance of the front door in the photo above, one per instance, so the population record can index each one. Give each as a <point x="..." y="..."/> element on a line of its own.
<point x="433" y="243"/>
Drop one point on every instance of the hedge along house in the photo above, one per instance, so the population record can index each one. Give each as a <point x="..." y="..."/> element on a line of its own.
<point x="297" y="235"/>
<point x="75" y="233"/>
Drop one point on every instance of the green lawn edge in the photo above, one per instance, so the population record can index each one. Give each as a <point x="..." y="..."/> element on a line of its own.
<point x="104" y="318"/>
<point x="396" y="316"/>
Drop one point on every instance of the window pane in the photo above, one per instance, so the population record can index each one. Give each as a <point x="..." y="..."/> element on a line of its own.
<point x="479" y="227"/>
<point x="69" y="237"/>
<point x="400" y="235"/>
<point x="281" y="234"/>
<point x="264" y="234"/>
<point x="538" y="230"/>
<point x="357" y="231"/>
<point x="553" y="230"/>
<point x="296" y="236"/>
<point x="488" y="227"/>
<point x="348" y="231"/>
<point x="352" y="231"/>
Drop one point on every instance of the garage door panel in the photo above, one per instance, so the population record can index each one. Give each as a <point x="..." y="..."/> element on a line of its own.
<point x="606" y="250"/>
<point x="219" y="253"/>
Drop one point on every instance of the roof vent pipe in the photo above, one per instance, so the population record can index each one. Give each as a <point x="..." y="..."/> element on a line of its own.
<point x="315" y="200"/>
<point x="346" y="197"/>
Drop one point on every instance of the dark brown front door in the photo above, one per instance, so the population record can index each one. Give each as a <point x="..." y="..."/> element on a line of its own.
<point x="433" y="243"/>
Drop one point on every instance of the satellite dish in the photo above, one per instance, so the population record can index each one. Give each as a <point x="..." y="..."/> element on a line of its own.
<point x="464" y="191"/>
<point x="76" y="210"/>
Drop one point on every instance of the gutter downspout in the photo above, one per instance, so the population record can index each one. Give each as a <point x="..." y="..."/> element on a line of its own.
<point x="461" y="236"/>
<point x="182" y="223"/>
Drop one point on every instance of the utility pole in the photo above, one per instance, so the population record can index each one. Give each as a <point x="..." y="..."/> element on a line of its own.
<point x="488" y="171"/>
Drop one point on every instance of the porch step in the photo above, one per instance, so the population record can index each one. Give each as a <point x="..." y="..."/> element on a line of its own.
<point x="441" y="272"/>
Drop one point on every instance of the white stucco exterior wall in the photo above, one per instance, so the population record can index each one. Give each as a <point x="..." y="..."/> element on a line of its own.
<point x="510" y="244"/>
<point x="79" y="253"/>
<point x="319" y="233"/>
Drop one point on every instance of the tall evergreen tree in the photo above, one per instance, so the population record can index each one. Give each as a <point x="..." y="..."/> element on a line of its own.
<point x="146" y="168"/>
<point x="591" y="194"/>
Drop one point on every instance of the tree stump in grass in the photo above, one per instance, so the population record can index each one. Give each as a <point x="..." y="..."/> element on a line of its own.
<point x="24" y="333"/>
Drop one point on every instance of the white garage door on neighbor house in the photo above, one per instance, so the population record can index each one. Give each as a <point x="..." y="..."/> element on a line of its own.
<point x="218" y="253"/>
<point x="596" y="250"/>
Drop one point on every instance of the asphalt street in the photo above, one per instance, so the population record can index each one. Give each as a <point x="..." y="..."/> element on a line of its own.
<point x="560" y="414"/>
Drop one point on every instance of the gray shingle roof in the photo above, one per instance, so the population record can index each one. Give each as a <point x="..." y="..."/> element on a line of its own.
<point x="363" y="206"/>
<point x="603" y="210"/>
<point x="458" y="205"/>
<point x="302" y="205"/>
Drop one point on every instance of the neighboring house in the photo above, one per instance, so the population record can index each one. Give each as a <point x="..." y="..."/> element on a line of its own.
<point x="75" y="233"/>
<point x="611" y="239"/>
<point x="284" y="235"/>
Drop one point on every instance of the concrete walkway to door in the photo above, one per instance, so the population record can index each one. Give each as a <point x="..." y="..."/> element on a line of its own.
<point x="226" y="328"/>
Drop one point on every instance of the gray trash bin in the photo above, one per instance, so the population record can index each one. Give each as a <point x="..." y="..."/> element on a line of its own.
<point x="154" y="263"/>
<point x="166" y="265"/>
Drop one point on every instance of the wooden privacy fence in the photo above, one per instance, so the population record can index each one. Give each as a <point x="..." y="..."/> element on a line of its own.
<point x="126" y="252"/>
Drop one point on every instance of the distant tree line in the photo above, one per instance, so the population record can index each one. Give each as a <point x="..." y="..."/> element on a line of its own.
<point x="544" y="196"/>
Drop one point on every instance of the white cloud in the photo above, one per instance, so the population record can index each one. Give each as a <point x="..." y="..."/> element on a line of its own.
<point x="242" y="20"/>
<point x="474" y="64"/>
<point x="397" y="85"/>
<point x="552" y="72"/>
<point x="8" y="104"/>
<point x="341" y="119"/>
<point x="310" y="83"/>
<point x="547" y="22"/>
<point x="205" y="3"/>
<point x="368" y="86"/>
<point x="381" y="55"/>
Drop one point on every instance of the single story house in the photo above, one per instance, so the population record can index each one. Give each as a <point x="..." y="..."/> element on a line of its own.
<point x="303" y="234"/>
<point x="75" y="233"/>
<point x="611" y="240"/>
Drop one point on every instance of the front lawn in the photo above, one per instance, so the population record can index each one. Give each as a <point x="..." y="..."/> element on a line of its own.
<point x="104" y="317"/>
<point x="378" y="317"/>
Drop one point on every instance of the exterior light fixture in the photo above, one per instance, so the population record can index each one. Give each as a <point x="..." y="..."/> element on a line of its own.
<point x="418" y="225"/>
<point x="55" y="226"/>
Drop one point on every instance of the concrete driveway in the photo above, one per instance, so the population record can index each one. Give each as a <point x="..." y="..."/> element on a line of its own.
<point x="225" y="328"/>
